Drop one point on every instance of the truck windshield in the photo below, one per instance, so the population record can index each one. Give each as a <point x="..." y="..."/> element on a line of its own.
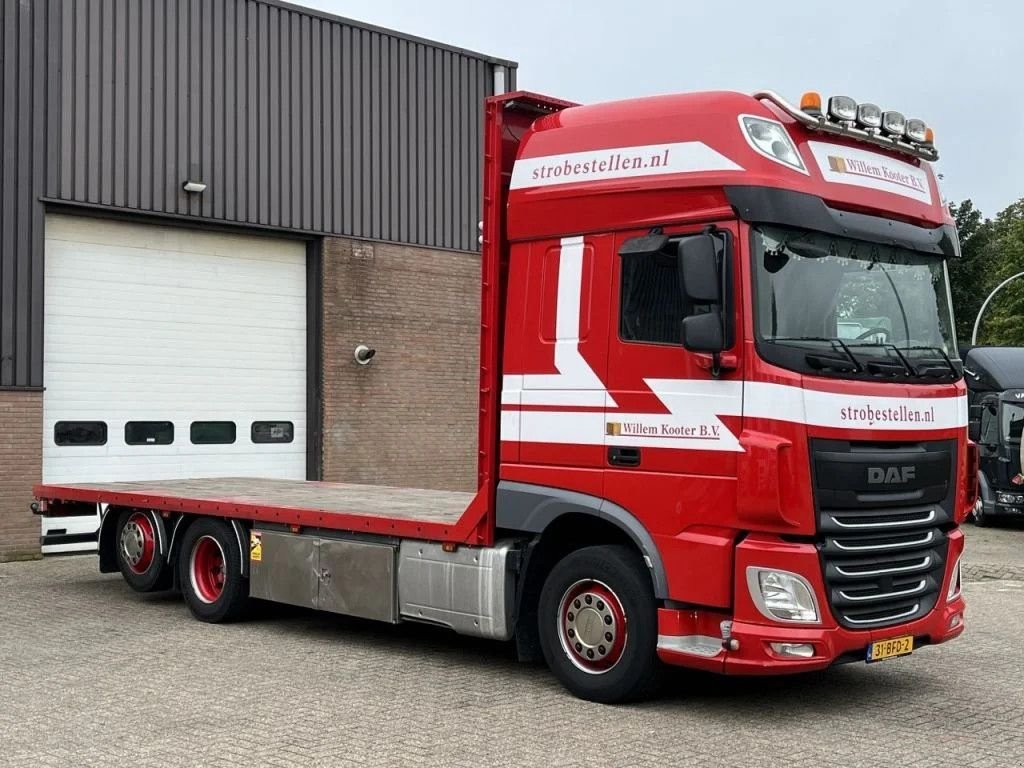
<point x="1013" y="423"/>
<point x="846" y="306"/>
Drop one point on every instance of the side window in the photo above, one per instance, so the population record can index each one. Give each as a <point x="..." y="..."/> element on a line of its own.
<point x="212" y="432"/>
<point x="80" y="433"/>
<point x="273" y="432"/>
<point x="149" y="433"/>
<point x="651" y="306"/>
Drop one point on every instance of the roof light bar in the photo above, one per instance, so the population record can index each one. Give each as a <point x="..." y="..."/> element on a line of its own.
<point x="862" y="122"/>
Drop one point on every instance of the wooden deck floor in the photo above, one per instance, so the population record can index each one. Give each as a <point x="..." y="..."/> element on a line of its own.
<point x="444" y="507"/>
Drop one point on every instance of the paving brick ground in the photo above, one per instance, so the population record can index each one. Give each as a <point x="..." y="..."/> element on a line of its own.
<point x="92" y="674"/>
<point x="996" y="552"/>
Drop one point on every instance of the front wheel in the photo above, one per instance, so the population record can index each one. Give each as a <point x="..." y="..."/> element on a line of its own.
<point x="210" y="572"/>
<point x="599" y="626"/>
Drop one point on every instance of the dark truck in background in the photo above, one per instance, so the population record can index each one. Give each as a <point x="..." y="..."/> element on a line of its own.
<point x="995" y="385"/>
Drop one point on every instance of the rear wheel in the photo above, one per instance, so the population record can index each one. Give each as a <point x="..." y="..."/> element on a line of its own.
<point x="210" y="572"/>
<point x="598" y="624"/>
<point x="138" y="552"/>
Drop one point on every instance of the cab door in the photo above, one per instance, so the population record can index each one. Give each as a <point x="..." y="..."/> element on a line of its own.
<point x="673" y="421"/>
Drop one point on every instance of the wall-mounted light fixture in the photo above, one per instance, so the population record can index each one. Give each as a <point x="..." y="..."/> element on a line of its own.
<point x="364" y="354"/>
<point x="194" y="186"/>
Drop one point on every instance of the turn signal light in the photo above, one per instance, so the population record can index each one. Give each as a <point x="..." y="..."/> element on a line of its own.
<point x="810" y="103"/>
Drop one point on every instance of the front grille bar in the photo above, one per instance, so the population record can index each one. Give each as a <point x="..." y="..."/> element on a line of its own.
<point x="923" y="541"/>
<point x="884" y="619"/>
<point x="926" y="561"/>
<point x="886" y="595"/>
<point x="891" y="524"/>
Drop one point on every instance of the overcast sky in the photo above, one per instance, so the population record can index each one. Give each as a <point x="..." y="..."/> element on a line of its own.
<point x="954" y="63"/>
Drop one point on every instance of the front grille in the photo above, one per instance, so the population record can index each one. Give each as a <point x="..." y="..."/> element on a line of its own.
<point x="883" y="544"/>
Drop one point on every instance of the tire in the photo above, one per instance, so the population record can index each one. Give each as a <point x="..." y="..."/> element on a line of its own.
<point x="137" y="549"/>
<point x="598" y="625"/>
<point x="210" y="572"/>
<point x="981" y="518"/>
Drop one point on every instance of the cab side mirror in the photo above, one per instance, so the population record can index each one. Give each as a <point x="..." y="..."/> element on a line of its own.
<point x="974" y="431"/>
<point x="701" y="281"/>
<point x="974" y="423"/>
<point x="699" y="272"/>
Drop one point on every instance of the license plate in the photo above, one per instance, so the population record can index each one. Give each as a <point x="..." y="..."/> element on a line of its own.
<point x="891" y="648"/>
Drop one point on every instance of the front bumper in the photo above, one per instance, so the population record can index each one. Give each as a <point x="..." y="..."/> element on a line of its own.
<point x="701" y="639"/>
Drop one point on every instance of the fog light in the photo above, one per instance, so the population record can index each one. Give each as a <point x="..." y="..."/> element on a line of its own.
<point x="782" y="595"/>
<point x="798" y="650"/>
<point x="956" y="621"/>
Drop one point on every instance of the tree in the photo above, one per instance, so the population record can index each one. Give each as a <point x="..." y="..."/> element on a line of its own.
<point x="1003" y="248"/>
<point x="970" y="276"/>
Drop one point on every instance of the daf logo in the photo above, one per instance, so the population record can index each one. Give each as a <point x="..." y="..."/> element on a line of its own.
<point x="890" y="475"/>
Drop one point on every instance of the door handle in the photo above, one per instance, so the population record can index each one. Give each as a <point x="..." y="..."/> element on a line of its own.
<point x="621" y="456"/>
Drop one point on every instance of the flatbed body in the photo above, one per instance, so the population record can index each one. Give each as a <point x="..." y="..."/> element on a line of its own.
<point x="407" y="512"/>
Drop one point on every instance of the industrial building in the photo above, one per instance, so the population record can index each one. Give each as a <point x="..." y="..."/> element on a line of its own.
<point x="205" y="208"/>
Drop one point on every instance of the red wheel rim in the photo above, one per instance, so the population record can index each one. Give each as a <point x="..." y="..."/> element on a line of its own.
<point x="592" y="626"/>
<point x="138" y="543"/>
<point x="206" y="569"/>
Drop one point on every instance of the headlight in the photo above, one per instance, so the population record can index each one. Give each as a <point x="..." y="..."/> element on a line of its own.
<point x="955" y="581"/>
<point x="771" y="139"/>
<point x="1009" y="498"/>
<point x="782" y="595"/>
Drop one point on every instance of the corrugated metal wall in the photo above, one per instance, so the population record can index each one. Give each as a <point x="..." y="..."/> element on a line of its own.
<point x="294" y="120"/>
<point x="28" y="65"/>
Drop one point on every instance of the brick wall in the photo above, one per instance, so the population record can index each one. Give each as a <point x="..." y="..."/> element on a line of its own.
<point x="409" y="417"/>
<point x="21" y="462"/>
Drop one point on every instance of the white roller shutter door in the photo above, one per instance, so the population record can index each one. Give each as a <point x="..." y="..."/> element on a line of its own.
<point x="149" y="323"/>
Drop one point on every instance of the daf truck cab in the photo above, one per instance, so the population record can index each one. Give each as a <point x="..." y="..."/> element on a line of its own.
<point x="995" y="385"/>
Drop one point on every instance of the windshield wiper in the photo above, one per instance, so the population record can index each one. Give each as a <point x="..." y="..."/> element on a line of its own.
<point x="934" y="370"/>
<point x="884" y="367"/>
<point x="825" y="362"/>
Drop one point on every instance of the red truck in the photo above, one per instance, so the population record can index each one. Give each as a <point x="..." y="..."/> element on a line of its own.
<point x="722" y="419"/>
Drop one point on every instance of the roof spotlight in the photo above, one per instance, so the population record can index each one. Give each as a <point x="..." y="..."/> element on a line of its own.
<point x="917" y="130"/>
<point x="869" y="115"/>
<point x="894" y="123"/>
<point x="842" y="108"/>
